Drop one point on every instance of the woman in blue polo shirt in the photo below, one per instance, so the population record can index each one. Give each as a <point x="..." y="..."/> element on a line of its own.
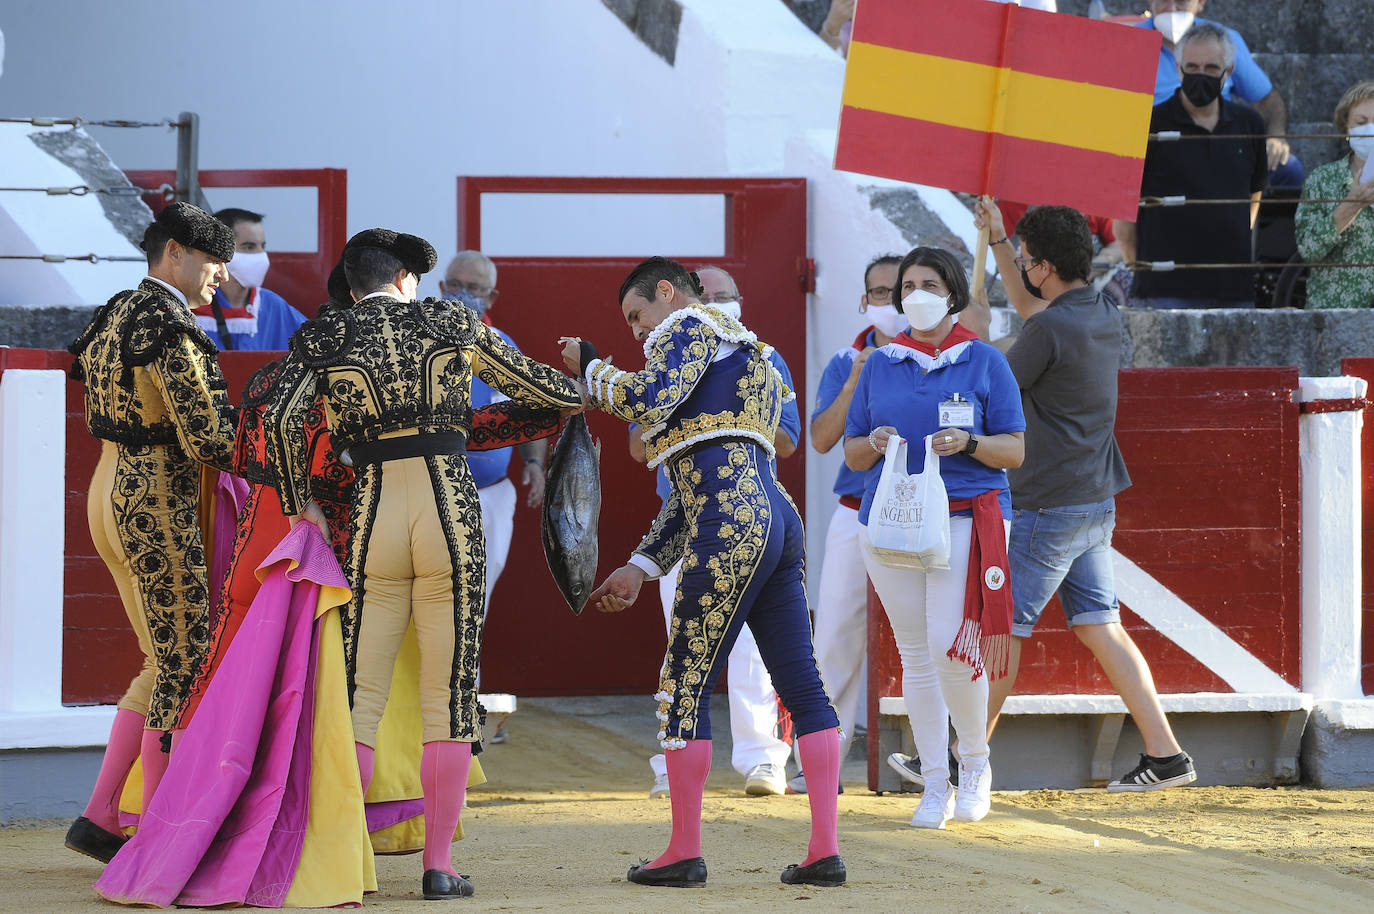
<point x="951" y="626"/>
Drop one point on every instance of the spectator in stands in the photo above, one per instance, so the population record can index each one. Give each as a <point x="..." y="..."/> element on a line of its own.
<point x="1064" y="495"/>
<point x="244" y="315"/>
<point x="1342" y="232"/>
<point x="1211" y="168"/>
<point x="1172" y="19"/>
<point x="471" y="279"/>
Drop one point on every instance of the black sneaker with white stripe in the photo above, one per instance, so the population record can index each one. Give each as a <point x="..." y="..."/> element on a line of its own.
<point x="1156" y="774"/>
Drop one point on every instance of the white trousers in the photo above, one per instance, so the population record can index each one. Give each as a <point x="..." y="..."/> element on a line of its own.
<point x="753" y="701"/>
<point x="498" y="523"/>
<point x="841" y="628"/>
<point x="925" y="611"/>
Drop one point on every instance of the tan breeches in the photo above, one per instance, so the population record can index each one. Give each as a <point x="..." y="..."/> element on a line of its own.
<point x="408" y="576"/>
<point x="109" y="545"/>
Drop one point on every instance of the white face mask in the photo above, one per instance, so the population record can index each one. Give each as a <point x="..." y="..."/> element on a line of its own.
<point x="729" y="307"/>
<point x="249" y="270"/>
<point x="1174" y="26"/>
<point x="886" y="319"/>
<point x="1362" y="141"/>
<point x="925" y="309"/>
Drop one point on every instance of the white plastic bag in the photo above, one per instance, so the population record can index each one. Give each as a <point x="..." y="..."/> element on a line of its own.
<point x="908" y="523"/>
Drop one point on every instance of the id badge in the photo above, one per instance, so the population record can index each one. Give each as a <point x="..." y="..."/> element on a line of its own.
<point x="956" y="412"/>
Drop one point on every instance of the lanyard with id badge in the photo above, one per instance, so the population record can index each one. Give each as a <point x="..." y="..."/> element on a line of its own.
<point x="956" y="412"/>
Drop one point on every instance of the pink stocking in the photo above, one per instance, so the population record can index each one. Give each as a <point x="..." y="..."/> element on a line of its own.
<point x="687" y="771"/>
<point x="444" y="769"/>
<point x="820" y="760"/>
<point x="365" y="764"/>
<point x="154" y="763"/>
<point x="125" y="734"/>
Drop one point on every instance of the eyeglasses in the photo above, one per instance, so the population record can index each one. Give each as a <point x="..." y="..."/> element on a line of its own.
<point x="472" y="288"/>
<point x="718" y="298"/>
<point x="1025" y="263"/>
<point x="879" y="294"/>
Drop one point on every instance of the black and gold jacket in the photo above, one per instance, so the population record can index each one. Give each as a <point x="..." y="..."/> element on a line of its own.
<point x="386" y="365"/>
<point x="151" y="377"/>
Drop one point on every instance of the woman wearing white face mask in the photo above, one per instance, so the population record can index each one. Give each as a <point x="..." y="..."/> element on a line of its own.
<point x="1342" y="232"/>
<point x="953" y="626"/>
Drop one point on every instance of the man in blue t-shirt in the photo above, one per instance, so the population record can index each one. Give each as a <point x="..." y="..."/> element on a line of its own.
<point x="244" y="315"/>
<point x="757" y="751"/>
<point x="1172" y="19"/>
<point x="841" y="625"/>
<point x="471" y="279"/>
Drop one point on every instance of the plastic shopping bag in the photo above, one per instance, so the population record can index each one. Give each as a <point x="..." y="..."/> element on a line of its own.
<point x="908" y="524"/>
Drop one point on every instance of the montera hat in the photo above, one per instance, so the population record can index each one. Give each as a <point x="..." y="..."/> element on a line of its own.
<point x="192" y="227"/>
<point x="415" y="253"/>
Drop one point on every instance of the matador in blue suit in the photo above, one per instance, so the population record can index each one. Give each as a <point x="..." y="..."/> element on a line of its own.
<point x="709" y="401"/>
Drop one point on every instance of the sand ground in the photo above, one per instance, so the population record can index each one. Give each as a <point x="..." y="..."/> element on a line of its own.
<point x="567" y="811"/>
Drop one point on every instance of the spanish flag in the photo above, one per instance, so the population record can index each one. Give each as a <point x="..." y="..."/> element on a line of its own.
<point x="989" y="98"/>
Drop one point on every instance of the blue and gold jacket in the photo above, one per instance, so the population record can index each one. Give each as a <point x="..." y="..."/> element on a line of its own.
<point x="705" y="377"/>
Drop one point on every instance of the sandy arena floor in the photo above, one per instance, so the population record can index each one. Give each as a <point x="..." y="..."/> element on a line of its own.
<point x="567" y="812"/>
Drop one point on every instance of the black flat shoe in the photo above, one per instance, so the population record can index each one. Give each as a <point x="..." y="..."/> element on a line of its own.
<point x="85" y="837"/>
<point x="438" y="885"/>
<point x="827" y="871"/>
<point x="684" y="874"/>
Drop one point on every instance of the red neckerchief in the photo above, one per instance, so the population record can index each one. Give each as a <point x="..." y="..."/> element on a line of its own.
<point x="861" y="341"/>
<point x="984" y="637"/>
<point x="959" y="334"/>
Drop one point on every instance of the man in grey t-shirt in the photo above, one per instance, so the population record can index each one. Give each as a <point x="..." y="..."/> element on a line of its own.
<point x="1063" y="495"/>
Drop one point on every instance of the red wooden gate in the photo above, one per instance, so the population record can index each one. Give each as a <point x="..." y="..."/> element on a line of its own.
<point x="297" y="276"/>
<point x="534" y="645"/>
<point x="1212" y="513"/>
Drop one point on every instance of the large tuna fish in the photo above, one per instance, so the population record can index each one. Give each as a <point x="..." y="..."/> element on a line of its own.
<point x="572" y="507"/>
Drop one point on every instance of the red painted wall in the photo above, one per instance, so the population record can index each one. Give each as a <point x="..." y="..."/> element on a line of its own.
<point x="1212" y="513"/>
<point x="1364" y="368"/>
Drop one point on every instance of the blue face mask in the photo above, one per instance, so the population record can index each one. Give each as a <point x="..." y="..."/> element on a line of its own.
<point x="475" y="302"/>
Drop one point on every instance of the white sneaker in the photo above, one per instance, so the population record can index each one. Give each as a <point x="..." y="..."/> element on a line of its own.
<point x="975" y="790"/>
<point x="937" y="806"/>
<point x="660" y="788"/>
<point x="797" y="784"/>
<point x="765" y="780"/>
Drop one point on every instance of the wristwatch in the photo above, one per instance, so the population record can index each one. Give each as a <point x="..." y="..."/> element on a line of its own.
<point x="971" y="446"/>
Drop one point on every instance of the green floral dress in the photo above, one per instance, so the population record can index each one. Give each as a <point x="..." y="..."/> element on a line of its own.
<point x="1318" y="240"/>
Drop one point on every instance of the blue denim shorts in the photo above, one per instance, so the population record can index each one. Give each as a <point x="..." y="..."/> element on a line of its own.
<point x="1065" y="549"/>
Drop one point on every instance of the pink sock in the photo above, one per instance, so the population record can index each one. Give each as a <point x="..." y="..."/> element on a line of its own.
<point x="177" y="737"/>
<point x="154" y="763"/>
<point x="820" y="759"/>
<point x="365" y="764"/>
<point x="687" y="771"/>
<point x="125" y="734"/>
<point x="444" y="776"/>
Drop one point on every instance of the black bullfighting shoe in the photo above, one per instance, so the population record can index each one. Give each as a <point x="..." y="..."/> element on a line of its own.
<point x="827" y="871"/>
<point x="684" y="874"/>
<point x="85" y="837"/>
<point x="438" y="885"/>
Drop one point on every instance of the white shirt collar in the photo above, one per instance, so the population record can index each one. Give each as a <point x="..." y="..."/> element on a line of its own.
<point x="378" y="294"/>
<point x="170" y="288"/>
<point x="897" y="352"/>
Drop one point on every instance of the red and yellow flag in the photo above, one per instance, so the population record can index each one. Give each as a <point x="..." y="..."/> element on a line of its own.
<point x="989" y="98"/>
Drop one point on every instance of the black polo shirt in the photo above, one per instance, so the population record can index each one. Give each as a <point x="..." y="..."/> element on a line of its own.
<point x="1207" y="233"/>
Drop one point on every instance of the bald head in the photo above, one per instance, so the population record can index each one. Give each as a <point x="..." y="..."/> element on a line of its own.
<point x="717" y="286"/>
<point x="473" y="273"/>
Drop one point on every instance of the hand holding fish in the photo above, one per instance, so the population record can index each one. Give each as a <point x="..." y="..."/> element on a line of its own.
<point x="619" y="590"/>
<point x="572" y="354"/>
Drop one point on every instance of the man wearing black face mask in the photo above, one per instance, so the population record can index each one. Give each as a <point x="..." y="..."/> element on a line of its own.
<point x="1199" y="169"/>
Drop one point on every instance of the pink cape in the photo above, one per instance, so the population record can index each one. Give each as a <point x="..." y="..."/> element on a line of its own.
<point x="228" y="821"/>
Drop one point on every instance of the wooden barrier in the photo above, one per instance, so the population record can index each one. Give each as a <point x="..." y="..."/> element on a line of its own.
<point x="1364" y="368"/>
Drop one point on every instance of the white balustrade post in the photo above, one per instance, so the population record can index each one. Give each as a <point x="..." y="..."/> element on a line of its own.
<point x="1329" y="464"/>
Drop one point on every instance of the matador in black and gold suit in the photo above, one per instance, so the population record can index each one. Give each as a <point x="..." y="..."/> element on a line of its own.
<point x="393" y="376"/>
<point x="156" y="400"/>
